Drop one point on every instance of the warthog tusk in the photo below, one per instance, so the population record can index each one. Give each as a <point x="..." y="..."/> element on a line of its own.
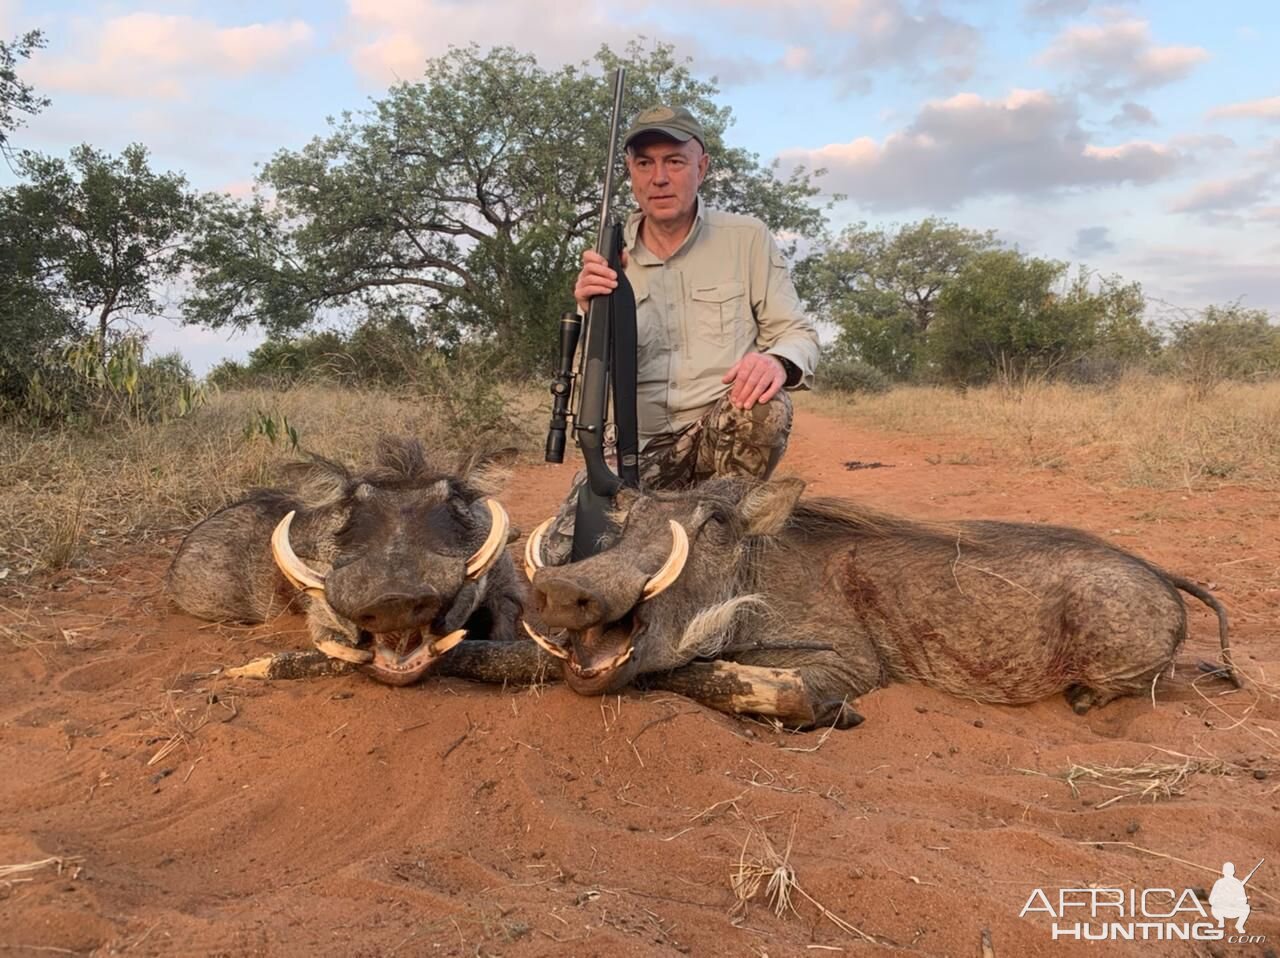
<point x="294" y="569"/>
<point x="543" y="641"/>
<point x="440" y="646"/>
<point x="336" y="650"/>
<point x="487" y="554"/>
<point x="533" y="549"/>
<point x="674" y="565"/>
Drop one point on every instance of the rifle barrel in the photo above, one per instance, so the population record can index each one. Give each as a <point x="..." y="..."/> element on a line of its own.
<point x="619" y="76"/>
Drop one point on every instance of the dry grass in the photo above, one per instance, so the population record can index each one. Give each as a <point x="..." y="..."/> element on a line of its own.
<point x="68" y="494"/>
<point x="761" y="866"/>
<point x="1148" y="780"/>
<point x="1140" y="432"/>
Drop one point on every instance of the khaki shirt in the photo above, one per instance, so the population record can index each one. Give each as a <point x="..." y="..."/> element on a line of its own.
<point x="724" y="293"/>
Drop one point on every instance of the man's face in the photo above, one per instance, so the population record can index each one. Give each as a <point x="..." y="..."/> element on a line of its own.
<point x="665" y="176"/>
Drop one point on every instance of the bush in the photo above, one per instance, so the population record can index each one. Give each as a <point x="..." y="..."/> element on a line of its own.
<point x="844" y="374"/>
<point x="88" y="385"/>
<point x="1226" y="342"/>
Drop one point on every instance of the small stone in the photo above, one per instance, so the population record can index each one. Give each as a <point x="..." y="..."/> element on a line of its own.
<point x="1132" y="828"/>
<point x="1260" y="773"/>
<point x="978" y="723"/>
<point x="1200" y="893"/>
<point x="921" y="709"/>
<point x="161" y="775"/>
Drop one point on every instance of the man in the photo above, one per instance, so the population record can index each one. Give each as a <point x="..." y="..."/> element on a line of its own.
<point x="719" y="325"/>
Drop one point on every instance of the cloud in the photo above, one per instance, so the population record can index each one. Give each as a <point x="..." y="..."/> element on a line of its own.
<point x="392" y="39"/>
<point x="1267" y="109"/>
<point x="1195" y="276"/>
<point x="151" y="55"/>
<point x="1053" y="9"/>
<point x="857" y="38"/>
<point x="1215" y="196"/>
<point x="955" y="149"/>
<point x="1092" y="240"/>
<point x="845" y="40"/>
<point x="1118" y="56"/>
<point x="1132" y="114"/>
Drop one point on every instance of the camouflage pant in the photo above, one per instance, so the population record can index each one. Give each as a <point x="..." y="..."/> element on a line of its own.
<point x="724" y="442"/>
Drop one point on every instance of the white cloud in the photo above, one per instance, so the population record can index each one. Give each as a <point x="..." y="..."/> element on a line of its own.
<point x="1118" y="56"/>
<point x="151" y="55"/>
<point x="844" y="40"/>
<point x="1233" y="193"/>
<point x="1028" y="143"/>
<point x="1265" y="109"/>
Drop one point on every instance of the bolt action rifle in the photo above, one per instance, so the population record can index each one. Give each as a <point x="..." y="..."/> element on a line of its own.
<point x="606" y="371"/>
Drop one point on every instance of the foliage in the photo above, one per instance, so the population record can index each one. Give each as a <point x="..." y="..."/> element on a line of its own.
<point x="272" y="426"/>
<point x="462" y="202"/>
<point x="110" y="230"/>
<point x="1001" y="316"/>
<point x="34" y="326"/>
<point x="1122" y="339"/>
<point x="383" y="351"/>
<point x="881" y="287"/>
<point x="15" y="96"/>
<point x="841" y="372"/>
<point x="1225" y="342"/>
<point x="81" y="387"/>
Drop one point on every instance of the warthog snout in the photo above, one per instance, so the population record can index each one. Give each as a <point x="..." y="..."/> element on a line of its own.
<point x="569" y="604"/>
<point x="394" y="611"/>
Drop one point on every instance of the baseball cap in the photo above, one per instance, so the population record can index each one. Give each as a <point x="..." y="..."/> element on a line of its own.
<point x="675" y="122"/>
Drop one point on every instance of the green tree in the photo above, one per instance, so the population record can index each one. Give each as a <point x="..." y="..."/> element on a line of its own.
<point x="1224" y="342"/>
<point x="110" y="229"/>
<point x="880" y="287"/>
<point x="34" y="325"/>
<point x="1121" y="336"/>
<point x="1002" y="316"/>
<point x="17" y="97"/>
<point x="462" y="201"/>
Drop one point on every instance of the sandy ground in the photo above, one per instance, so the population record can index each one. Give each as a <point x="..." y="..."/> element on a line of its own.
<point x="340" y="817"/>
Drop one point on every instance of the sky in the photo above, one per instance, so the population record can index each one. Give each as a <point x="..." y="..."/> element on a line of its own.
<point x="1141" y="139"/>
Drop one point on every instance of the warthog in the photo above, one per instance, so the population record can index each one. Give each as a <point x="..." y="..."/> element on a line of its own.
<point x="398" y="563"/>
<point x="995" y="611"/>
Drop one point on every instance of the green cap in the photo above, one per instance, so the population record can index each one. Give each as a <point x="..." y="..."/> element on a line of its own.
<point x="674" y="122"/>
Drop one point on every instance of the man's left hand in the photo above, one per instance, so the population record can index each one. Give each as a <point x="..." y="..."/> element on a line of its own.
<point x="756" y="378"/>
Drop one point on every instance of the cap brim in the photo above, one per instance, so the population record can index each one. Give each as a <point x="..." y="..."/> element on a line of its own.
<point x="680" y="136"/>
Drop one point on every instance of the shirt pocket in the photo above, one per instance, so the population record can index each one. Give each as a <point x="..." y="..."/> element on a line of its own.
<point x="717" y="313"/>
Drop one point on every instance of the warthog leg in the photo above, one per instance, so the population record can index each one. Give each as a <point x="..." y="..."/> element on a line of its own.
<point x="757" y="690"/>
<point x="291" y="665"/>
<point x="481" y="660"/>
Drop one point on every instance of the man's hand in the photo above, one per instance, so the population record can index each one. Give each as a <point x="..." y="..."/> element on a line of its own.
<point x="756" y="378"/>
<point x="596" y="278"/>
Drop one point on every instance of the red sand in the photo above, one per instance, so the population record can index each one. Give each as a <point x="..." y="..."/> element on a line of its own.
<point x="341" y="817"/>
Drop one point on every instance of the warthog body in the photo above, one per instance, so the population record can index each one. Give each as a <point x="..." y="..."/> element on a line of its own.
<point x="995" y="611"/>
<point x="388" y="551"/>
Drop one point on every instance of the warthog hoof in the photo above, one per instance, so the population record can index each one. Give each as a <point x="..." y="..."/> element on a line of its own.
<point x="835" y="712"/>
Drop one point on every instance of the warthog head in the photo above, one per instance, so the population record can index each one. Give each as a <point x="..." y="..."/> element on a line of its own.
<point x="398" y="561"/>
<point x="671" y="589"/>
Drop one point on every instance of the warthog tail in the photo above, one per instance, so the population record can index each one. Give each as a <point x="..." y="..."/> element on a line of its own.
<point x="1209" y="599"/>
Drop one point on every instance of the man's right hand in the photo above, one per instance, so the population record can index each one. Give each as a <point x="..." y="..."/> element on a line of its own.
<point x="596" y="278"/>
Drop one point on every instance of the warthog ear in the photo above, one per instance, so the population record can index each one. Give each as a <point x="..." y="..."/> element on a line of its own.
<point x="319" y="483"/>
<point x="765" y="509"/>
